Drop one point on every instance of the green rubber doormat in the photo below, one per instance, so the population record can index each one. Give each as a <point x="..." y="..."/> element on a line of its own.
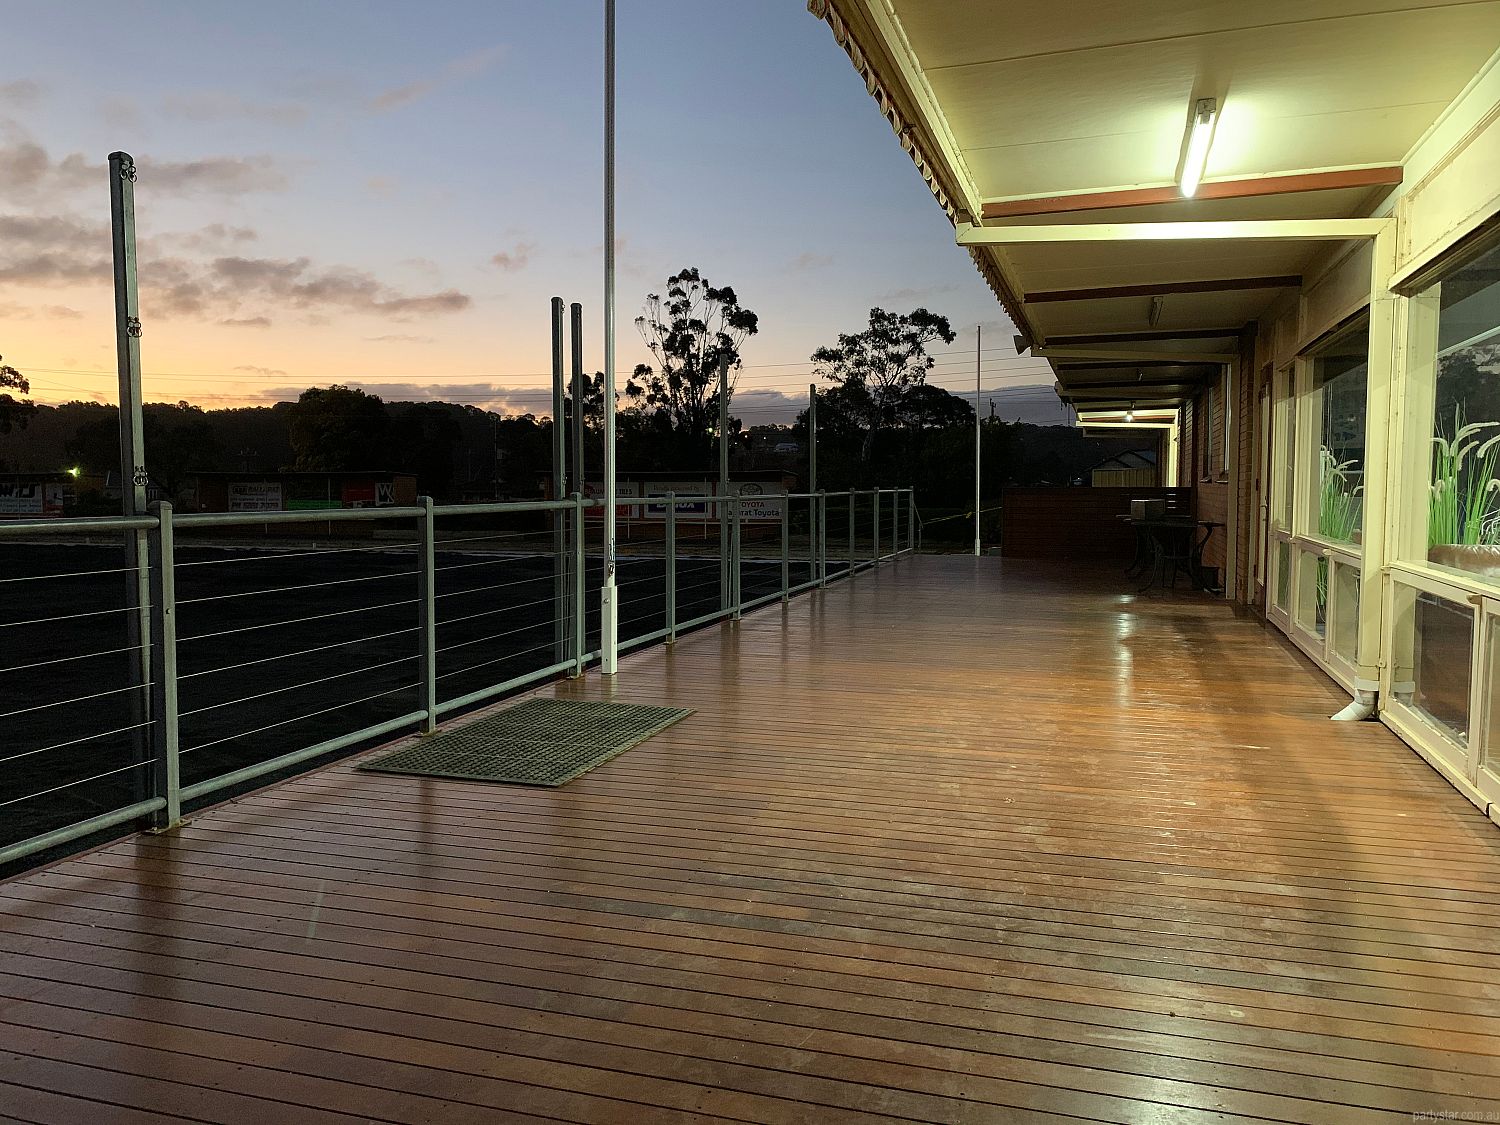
<point x="539" y="742"/>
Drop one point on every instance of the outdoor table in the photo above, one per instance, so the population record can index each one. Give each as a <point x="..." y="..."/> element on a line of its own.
<point x="1175" y="545"/>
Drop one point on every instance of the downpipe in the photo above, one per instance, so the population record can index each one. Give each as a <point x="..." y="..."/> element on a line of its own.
<point x="1361" y="707"/>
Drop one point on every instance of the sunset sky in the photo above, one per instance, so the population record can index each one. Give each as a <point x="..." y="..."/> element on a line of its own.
<point x="388" y="194"/>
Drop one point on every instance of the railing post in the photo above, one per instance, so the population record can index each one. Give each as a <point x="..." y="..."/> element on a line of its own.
<point x="734" y="557"/>
<point x="821" y="539"/>
<point x="851" y="531"/>
<point x="166" y="780"/>
<point x="579" y="610"/>
<point x="875" y="547"/>
<point x="671" y="568"/>
<point x="427" y="614"/>
<point x="786" y="547"/>
<point x="911" y="519"/>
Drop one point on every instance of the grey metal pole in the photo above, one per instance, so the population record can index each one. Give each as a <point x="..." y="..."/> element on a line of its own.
<point x="561" y="585"/>
<point x="580" y="634"/>
<point x="786" y="547"/>
<point x="734" y="552"/>
<point x="723" y="506"/>
<point x="165" y="776"/>
<point x="609" y="619"/>
<point x="133" y="476"/>
<point x="911" y="519"/>
<point x="812" y="437"/>
<point x="427" y="614"/>
<point x="978" y="431"/>
<point x="875" y="549"/>
<point x="822" y="539"/>
<point x="580" y="394"/>
<point x="671" y="567"/>
<point x="851" y="531"/>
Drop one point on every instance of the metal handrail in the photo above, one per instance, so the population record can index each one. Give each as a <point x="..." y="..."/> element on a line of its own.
<point x="159" y="678"/>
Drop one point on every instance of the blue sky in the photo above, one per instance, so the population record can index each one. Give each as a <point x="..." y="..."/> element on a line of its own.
<point x="389" y="193"/>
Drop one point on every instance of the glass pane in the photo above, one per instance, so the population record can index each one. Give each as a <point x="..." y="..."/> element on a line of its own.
<point x="1463" y="523"/>
<point x="1338" y="397"/>
<point x="1286" y="453"/>
<point x="1345" y="597"/>
<point x="1312" y="592"/>
<point x="1491" y="755"/>
<point x="1434" y="658"/>
<point x="1283" y="575"/>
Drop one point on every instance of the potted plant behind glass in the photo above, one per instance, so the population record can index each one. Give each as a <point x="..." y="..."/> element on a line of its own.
<point x="1338" y="512"/>
<point x="1463" y="523"/>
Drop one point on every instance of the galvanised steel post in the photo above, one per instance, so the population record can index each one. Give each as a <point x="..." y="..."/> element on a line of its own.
<point x="851" y="531"/>
<point x="561" y="586"/>
<point x="786" y="547"/>
<point x="133" y="475"/>
<point x="579" y="633"/>
<point x="812" y="437"/>
<point x="734" y="550"/>
<point x="427" y="614"/>
<point x="165" y="777"/>
<point x="978" y="429"/>
<point x="822" y="539"/>
<point x="875" y="548"/>
<point x="671" y="568"/>
<point x="911" y="519"/>
<point x="580" y="393"/>
<point x="722" y="505"/>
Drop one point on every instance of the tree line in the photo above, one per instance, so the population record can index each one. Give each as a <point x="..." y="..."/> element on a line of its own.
<point x="879" y="420"/>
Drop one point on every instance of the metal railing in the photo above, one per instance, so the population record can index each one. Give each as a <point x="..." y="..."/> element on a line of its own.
<point x="216" y="666"/>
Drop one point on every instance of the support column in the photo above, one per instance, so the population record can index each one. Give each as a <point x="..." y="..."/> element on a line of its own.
<point x="722" y="506"/>
<point x="1381" y="455"/>
<point x="133" y="475"/>
<point x="562" y="586"/>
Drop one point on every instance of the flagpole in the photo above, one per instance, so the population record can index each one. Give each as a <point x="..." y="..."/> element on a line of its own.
<point x="608" y="608"/>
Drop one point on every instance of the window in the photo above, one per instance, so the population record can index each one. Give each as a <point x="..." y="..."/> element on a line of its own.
<point x="1336" y="403"/>
<point x="1463" y="509"/>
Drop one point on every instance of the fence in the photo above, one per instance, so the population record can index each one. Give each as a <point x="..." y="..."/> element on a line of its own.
<point x="214" y="663"/>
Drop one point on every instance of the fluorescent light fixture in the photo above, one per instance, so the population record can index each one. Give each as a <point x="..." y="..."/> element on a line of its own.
<point x="1205" y="116"/>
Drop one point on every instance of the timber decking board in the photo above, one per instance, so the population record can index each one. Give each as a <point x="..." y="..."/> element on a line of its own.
<point x="960" y="840"/>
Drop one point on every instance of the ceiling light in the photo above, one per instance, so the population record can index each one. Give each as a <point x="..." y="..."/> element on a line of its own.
<point x="1200" y="137"/>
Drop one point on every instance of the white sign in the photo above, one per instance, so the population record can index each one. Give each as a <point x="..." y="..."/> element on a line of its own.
<point x="254" y="496"/>
<point x="22" y="499"/>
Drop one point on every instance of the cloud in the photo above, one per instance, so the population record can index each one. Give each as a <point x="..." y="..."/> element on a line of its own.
<point x="214" y="238"/>
<point x="20" y="92"/>
<point x="32" y="174"/>
<point x="515" y="258"/>
<point x="268" y="372"/>
<point x="220" y="105"/>
<point x="58" y="250"/>
<point x="487" y="396"/>
<point x="52" y="250"/>
<point x="400" y="339"/>
<point x="466" y="67"/>
<point x="39" y="312"/>
<point x="807" y="260"/>
<point x="917" y="294"/>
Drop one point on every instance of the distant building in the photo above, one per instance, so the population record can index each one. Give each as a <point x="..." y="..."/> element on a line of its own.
<point x="1135" y="468"/>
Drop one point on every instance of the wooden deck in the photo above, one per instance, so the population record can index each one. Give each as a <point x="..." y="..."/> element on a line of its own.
<point x="956" y="842"/>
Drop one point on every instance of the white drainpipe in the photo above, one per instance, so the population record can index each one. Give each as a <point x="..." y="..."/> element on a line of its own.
<point x="1360" y="708"/>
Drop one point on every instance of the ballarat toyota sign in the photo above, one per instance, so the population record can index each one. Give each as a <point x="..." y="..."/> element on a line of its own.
<point x="31" y="498"/>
